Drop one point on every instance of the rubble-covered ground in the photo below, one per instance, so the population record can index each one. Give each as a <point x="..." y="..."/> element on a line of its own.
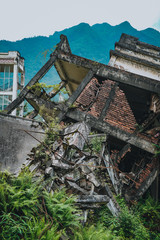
<point x="64" y="191"/>
<point x="70" y="160"/>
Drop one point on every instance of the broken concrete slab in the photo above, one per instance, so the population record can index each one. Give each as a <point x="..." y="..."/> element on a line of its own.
<point x="77" y="134"/>
<point x="92" y="199"/>
<point x="34" y="167"/>
<point x="59" y="164"/>
<point x="49" y="171"/>
<point x="77" y="188"/>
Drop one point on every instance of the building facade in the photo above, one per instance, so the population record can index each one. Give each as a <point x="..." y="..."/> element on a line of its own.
<point x="12" y="77"/>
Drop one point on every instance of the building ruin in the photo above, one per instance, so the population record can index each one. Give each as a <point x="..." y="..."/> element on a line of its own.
<point x="120" y="100"/>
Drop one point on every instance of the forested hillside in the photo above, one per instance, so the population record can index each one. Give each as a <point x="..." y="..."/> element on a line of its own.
<point x="92" y="42"/>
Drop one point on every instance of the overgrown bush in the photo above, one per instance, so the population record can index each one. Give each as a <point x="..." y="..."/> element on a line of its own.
<point x="127" y="226"/>
<point x="95" y="144"/>
<point x="29" y="212"/>
<point x="149" y="211"/>
<point x="98" y="232"/>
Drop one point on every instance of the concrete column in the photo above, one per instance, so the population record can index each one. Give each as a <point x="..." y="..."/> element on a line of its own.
<point x="22" y="104"/>
<point x="15" y="85"/>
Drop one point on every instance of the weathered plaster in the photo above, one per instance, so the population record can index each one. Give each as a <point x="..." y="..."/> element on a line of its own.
<point x="15" y="143"/>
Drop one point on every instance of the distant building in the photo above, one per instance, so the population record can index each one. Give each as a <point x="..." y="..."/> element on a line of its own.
<point x="137" y="57"/>
<point x="12" y="76"/>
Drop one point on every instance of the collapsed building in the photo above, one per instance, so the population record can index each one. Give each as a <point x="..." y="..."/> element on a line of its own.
<point x="119" y="100"/>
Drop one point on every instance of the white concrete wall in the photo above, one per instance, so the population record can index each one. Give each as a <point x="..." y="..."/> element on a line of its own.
<point x="15" y="143"/>
<point x="134" y="67"/>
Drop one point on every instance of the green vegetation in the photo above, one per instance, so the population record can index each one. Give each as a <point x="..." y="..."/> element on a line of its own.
<point x="27" y="211"/>
<point x="94" y="232"/>
<point x="140" y="222"/>
<point x="150" y="215"/>
<point x="95" y="143"/>
<point x="157" y="149"/>
<point x="127" y="226"/>
<point x="41" y="85"/>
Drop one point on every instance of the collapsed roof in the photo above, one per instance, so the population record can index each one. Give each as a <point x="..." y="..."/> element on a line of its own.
<point x="120" y="99"/>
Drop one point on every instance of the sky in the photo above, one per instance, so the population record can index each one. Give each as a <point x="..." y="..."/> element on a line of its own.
<point x="28" y="18"/>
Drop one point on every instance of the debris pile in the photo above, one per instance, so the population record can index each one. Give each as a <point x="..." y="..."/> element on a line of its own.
<point x="71" y="163"/>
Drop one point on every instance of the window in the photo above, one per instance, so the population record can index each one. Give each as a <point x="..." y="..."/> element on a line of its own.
<point x="5" y="100"/>
<point x="6" y="78"/>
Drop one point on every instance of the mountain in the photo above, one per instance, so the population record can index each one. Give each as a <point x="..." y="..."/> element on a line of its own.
<point x="93" y="42"/>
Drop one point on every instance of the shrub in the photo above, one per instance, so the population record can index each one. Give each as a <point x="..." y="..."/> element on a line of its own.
<point x="94" y="233"/>
<point x="127" y="225"/>
<point x="29" y="212"/>
<point x="149" y="211"/>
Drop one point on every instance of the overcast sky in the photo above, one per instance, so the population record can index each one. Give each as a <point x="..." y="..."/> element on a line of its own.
<point x="28" y="18"/>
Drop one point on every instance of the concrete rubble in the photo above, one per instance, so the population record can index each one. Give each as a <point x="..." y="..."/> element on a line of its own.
<point x="80" y="172"/>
